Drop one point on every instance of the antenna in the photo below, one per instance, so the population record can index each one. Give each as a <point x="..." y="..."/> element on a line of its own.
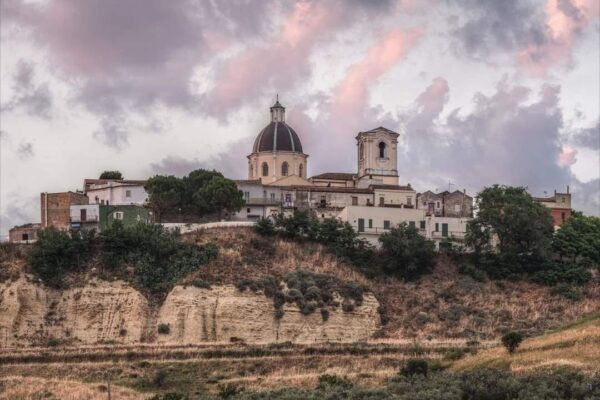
<point x="277" y="97"/>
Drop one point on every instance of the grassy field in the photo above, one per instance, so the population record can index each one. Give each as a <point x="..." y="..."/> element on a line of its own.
<point x="576" y="345"/>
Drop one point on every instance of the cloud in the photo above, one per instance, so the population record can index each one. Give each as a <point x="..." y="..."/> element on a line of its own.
<point x="112" y="133"/>
<point x="35" y="100"/>
<point x="538" y="38"/>
<point x="25" y="150"/>
<point x="589" y="137"/>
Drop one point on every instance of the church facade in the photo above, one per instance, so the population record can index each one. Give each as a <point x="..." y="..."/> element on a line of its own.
<point x="372" y="199"/>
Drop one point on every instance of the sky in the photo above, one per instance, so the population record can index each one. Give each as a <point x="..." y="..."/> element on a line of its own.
<point x="481" y="91"/>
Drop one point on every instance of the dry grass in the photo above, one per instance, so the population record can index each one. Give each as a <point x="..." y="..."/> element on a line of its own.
<point x="25" y="388"/>
<point x="577" y="346"/>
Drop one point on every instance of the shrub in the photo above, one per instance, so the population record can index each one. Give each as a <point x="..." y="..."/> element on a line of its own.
<point x="512" y="340"/>
<point x="567" y="291"/>
<point x="160" y="378"/>
<point x="324" y="314"/>
<point x="329" y="381"/>
<point x="406" y="252"/>
<point x="53" y="342"/>
<point x="414" y="366"/>
<point x="164" y="329"/>
<point x="470" y="270"/>
<point x="553" y="273"/>
<point x="169" y="396"/>
<point x="265" y="227"/>
<point x="228" y="390"/>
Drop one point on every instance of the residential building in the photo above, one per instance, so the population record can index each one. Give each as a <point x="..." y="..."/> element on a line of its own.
<point x="26" y="233"/>
<point x="115" y="192"/>
<point x="100" y="216"/>
<point x="455" y="204"/>
<point x="55" y="208"/>
<point x="261" y="201"/>
<point x="559" y="205"/>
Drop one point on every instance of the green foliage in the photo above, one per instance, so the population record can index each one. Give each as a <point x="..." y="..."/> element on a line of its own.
<point x="217" y="195"/>
<point x="229" y="390"/>
<point x="470" y="270"/>
<point x="164" y="329"/>
<point x="512" y="340"/>
<point x="578" y="239"/>
<point x="414" y="366"/>
<point x="116" y="175"/>
<point x="265" y="227"/>
<point x="406" y="252"/>
<point x="521" y="225"/>
<point x="169" y="396"/>
<point x="333" y="381"/>
<point x="53" y="342"/>
<point x="56" y="253"/>
<point x="567" y="291"/>
<point x="201" y="192"/>
<point x="556" y="272"/>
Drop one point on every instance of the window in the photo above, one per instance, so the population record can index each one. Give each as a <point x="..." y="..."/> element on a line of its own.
<point x="247" y="195"/>
<point x="445" y="230"/>
<point x="118" y="215"/>
<point x="288" y="198"/>
<point x="128" y="193"/>
<point x="386" y="224"/>
<point x="422" y="224"/>
<point x="411" y="224"/>
<point x="370" y="223"/>
<point x="265" y="169"/>
<point x="438" y="204"/>
<point x="381" y="150"/>
<point x="273" y="196"/>
<point x="323" y="201"/>
<point x="25" y="237"/>
<point x="248" y="210"/>
<point x="457" y="208"/>
<point x="284" y="168"/>
<point x="264" y="194"/>
<point x="381" y="201"/>
<point x="361" y="150"/>
<point x="409" y="201"/>
<point x="562" y="216"/>
<point x="354" y="200"/>
<point x="301" y="171"/>
<point x="437" y="227"/>
<point x="563" y="199"/>
<point x="82" y="214"/>
<point x="251" y="171"/>
<point x="361" y="225"/>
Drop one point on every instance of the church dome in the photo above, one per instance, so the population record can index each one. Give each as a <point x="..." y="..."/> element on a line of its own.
<point x="277" y="136"/>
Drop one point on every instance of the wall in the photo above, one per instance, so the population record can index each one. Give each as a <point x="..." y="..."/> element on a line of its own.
<point x="15" y="235"/>
<point x="55" y="208"/>
<point x="275" y="160"/>
<point x="115" y="193"/>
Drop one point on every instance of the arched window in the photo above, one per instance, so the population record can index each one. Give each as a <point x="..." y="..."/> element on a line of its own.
<point x="361" y="151"/>
<point x="265" y="169"/>
<point x="251" y="171"/>
<point x="381" y="150"/>
<point x="301" y="171"/>
<point x="284" y="168"/>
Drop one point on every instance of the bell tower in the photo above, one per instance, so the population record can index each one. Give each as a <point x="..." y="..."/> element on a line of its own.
<point x="377" y="157"/>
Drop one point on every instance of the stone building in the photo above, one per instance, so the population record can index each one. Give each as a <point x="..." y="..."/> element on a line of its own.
<point x="455" y="204"/>
<point x="26" y="233"/>
<point x="55" y="208"/>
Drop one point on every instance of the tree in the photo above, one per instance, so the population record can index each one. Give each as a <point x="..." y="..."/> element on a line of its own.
<point x="194" y="181"/>
<point x="521" y="225"/>
<point x="164" y="193"/>
<point x="406" y="253"/>
<point x="578" y="239"/>
<point x="219" y="194"/>
<point x="414" y="366"/>
<point x="512" y="340"/>
<point x="265" y="227"/>
<point x="113" y="175"/>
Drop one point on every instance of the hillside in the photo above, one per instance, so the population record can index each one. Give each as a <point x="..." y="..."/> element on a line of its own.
<point x="442" y="305"/>
<point x="576" y="346"/>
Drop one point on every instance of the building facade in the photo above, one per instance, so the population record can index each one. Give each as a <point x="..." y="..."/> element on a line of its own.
<point x="24" y="234"/>
<point x="100" y="216"/>
<point x="116" y="192"/>
<point x="455" y="204"/>
<point x="559" y="205"/>
<point x="55" y="208"/>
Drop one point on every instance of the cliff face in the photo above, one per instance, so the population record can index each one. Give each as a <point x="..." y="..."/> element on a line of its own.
<point x="31" y="313"/>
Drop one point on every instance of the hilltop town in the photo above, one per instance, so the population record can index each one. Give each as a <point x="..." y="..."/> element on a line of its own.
<point x="373" y="199"/>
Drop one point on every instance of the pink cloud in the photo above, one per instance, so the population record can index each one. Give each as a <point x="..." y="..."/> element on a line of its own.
<point x="279" y="64"/>
<point x="567" y="156"/>
<point x="564" y="21"/>
<point x="351" y="95"/>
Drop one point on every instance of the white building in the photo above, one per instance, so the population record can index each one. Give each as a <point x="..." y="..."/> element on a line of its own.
<point x="115" y="192"/>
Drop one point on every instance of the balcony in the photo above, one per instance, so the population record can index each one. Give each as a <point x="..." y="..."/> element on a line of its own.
<point x="262" y="201"/>
<point x="458" y="235"/>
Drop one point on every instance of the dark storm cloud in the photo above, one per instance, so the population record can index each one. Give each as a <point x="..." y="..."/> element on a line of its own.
<point x="589" y="137"/>
<point x="499" y="25"/>
<point x="112" y="133"/>
<point x="28" y="96"/>
<point x="586" y="196"/>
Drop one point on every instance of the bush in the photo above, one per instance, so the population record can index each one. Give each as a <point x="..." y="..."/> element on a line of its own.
<point x="567" y="291"/>
<point x="265" y="227"/>
<point x="554" y="273"/>
<point x="56" y="253"/>
<point x="406" y="252"/>
<point x="329" y="381"/>
<point x="164" y="329"/>
<point x="228" y="390"/>
<point x="53" y="342"/>
<point x="414" y="366"/>
<point x="512" y="340"/>
<point x="470" y="270"/>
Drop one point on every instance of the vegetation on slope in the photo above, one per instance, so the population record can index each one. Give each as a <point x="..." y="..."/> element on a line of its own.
<point x="576" y="345"/>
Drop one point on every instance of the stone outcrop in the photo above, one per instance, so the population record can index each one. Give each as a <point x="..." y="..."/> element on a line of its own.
<point x="101" y="311"/>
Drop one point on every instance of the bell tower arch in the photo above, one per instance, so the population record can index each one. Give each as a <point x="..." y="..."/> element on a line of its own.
<point x="377" y="157"/>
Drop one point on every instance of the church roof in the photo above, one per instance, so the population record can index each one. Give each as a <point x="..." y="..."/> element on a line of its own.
<point x="337" y="176"/>
<point x="277" y="136"/>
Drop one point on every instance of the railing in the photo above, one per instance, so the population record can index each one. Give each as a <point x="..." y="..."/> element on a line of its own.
<point x="450" y="235"/>
<point x="91" y="218"/>
<point x="262" y="201"/>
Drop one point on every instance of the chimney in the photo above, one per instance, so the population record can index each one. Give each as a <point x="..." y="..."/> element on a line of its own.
<point x="567" y="189"/>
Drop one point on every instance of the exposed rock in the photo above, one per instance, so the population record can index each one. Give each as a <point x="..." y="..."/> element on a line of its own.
<point x="101" y="311"/>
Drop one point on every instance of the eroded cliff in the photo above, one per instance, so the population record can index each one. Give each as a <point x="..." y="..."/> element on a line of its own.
<point x="100" y="311"/>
